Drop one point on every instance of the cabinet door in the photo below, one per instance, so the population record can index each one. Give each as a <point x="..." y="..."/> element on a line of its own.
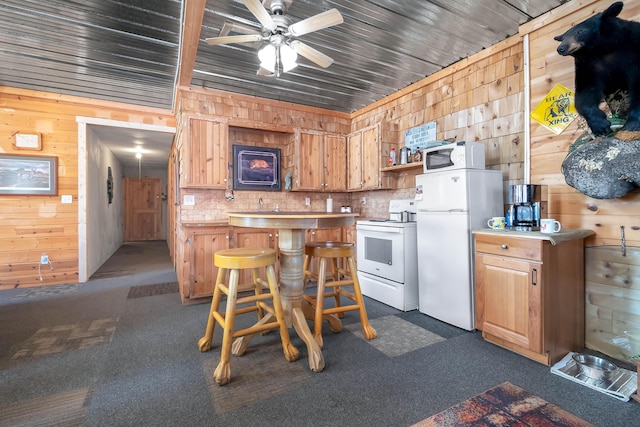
<point x="205" y="154"/>
<point x="309" y="161"/>
<point x="354" y="157"/>
<point x="202" y="245"/>
<point x="244" y="237"/>
<point x="510" y="305"/>
<point x="335" y="163"/>
<point x="371" y="158"/>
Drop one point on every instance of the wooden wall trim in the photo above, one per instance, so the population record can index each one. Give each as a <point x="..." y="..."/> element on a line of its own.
<point x="276" y="104"/>
<point x="86" y="101"/>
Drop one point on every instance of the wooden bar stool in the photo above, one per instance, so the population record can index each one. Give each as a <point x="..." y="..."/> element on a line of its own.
<point x="233" y="260"/>
<point x="341" y="278"/>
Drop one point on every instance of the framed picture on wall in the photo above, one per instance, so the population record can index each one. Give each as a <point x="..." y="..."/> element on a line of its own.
<point x="30" y="175"/>
<point x="256" y="168"/>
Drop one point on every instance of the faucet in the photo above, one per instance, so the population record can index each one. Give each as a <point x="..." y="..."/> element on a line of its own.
<point x="259" y="204"/>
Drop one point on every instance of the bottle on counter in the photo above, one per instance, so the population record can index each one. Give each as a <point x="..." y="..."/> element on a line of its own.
<point x="392" y="156"/>
<point x="329" y="204"/>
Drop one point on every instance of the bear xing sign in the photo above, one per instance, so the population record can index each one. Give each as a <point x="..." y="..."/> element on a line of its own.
<point x="557" y="110"/>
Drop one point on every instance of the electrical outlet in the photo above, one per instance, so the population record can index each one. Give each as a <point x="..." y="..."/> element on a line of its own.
<point x="307" y="201"/>
<point x="363" y="200"/>
<point x="44" y="259"/>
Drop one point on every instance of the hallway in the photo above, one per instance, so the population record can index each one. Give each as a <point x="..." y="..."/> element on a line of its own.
<point x="136" y="258"/>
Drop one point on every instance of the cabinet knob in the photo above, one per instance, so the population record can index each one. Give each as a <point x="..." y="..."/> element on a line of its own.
<point x="504" y="246"/>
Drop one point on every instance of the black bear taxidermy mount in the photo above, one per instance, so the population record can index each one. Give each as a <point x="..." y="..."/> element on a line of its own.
<point x="606" y="50"/>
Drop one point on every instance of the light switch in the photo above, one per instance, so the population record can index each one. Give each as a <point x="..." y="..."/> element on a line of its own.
<point x="67" y="198"/>
<point x="189" y="200"/>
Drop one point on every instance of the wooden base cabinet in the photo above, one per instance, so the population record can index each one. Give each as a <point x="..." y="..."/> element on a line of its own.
<point x="529" y="294"/>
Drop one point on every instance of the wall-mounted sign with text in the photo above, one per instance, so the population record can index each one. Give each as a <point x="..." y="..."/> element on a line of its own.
<point x="557" y="110"/>
<point x="418" y="138"/>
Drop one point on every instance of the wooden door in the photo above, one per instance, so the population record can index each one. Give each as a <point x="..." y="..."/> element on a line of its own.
<point x="309" y="161"/>
<point x="205" y="154"/>
<point x="511" y="300"/>
<point x="354" y="157"/>
<point x="335" y="163"/>
<point x="371" y="158"/>
<point x="142" y="209"/>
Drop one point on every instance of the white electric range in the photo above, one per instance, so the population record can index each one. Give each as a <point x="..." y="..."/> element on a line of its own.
<point x="387" y="256"/>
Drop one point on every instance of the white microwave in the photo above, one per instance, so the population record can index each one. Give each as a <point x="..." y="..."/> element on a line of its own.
<point x="457" y="155"/>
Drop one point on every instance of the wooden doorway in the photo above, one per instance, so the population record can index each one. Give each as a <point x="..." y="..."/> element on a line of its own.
<point x="142" y="209"/>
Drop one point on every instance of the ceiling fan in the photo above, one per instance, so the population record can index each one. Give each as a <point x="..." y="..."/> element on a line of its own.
<point x="280" y="54"/>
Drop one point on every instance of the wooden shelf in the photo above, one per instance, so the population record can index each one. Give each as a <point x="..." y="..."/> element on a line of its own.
<point x="398" y="168"/>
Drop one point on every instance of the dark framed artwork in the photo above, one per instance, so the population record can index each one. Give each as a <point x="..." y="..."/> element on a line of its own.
<point x="32" y="175"/>
<point x="256" y="168"/>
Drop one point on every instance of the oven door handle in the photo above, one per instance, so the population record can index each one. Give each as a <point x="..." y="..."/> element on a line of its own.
<point x="389" y="230"/>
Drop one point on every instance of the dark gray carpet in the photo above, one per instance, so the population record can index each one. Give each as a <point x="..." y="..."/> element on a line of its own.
<point x="91" y="355"/>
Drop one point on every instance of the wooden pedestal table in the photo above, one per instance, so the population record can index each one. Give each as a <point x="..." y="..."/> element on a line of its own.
<point x="292" y="226"/>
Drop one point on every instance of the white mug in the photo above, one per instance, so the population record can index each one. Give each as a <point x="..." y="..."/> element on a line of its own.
<point x="497" y="223"/>
<point x="550" y="225"/>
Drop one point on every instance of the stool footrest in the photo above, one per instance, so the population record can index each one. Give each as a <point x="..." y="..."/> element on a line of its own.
<point x="332" y="279"/>
<point x="255" y="329"/>
<point x="253" y="298"/>
<point x="340" y="309"/>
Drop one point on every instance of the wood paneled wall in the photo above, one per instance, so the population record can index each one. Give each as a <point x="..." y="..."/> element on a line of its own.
<point x="33" y="225"/>
<point x="480" y="98"/>
<point x="548" y="68"/>
<point x="612" y="275"/>
<point x="256" y="121"/>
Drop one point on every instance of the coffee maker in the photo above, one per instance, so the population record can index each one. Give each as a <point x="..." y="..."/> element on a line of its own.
<point x="528" y="202"/>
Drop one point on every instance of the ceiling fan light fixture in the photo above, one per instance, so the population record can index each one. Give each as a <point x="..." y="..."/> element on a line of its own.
<point x="288" y="57"/>
<point x="267" y="56"/>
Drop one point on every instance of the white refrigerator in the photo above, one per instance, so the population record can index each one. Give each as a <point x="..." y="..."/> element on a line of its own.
<point x="449" y="205"/>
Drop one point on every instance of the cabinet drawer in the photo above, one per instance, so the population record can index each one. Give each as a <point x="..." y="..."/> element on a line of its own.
<point x="530" y="249"/>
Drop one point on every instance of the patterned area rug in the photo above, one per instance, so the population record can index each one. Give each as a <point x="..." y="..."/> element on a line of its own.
<point x="62" y="409"/>
<point x="396" y="336"/>
<point x="262" y="372"/>
<point x="61" y="338"/>
<point x="504" y="405"/>
<point x="151" y="290"/>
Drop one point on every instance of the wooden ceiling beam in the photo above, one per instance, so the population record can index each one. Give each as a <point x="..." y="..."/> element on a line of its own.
<point x="190" y="38"/>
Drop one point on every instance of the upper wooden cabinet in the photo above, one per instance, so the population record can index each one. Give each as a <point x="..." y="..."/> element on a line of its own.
<point x="204" y="153"/>
<point x="320" y="161"/>
<point x="364" y="150"/>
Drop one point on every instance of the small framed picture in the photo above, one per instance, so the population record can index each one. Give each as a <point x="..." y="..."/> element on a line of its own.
<point x="256" y="168"/>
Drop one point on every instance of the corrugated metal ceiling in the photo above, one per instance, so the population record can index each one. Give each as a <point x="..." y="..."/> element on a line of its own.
<point x="129" y="50"/>
<point x="137" y="51"/>
<point x="381" y="47"/>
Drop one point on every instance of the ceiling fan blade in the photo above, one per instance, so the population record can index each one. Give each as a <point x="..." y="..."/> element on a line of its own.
<point x="244" y="38"/>
<point x="261" y="14"/>
<point x="317" y="22"/>
<point x="311" y="54"/>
